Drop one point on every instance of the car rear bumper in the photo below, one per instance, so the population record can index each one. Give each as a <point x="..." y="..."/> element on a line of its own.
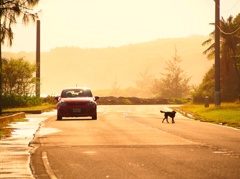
<point x="76" y="112"/>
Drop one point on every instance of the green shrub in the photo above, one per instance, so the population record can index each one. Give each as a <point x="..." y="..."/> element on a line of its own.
<point x="178" y="100"/>
<point x="50" y="100"/>
<point x="13" y="101"/>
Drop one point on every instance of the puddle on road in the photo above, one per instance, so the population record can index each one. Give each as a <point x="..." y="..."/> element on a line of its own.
<point x="28" y="129"/>
<point x="46" y="131"/>
<point x="25" y="129"/>
<point x="89" y="152"/>
<point x="14" y="150"/>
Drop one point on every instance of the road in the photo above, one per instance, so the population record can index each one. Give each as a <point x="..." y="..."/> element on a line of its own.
<point x="14" y="150"/>
<point x="132" y="142"/>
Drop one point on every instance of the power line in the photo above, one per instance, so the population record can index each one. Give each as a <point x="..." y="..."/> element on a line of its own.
<point x="233" y="6"/>
<point x="228" y="33"/>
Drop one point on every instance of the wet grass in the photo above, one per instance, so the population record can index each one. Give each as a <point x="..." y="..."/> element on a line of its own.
<point x="5" y="131"/>
<point x="225" y="114"/>
<point x="44" y="107"/>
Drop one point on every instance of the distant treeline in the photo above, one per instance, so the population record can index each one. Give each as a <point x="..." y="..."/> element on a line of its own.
<point x="111" y="100"/>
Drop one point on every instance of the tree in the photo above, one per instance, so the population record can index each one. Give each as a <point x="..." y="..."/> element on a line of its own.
<point x="144" y="83"/>
<point x="205" y="88"/>
<point x="10" y="10"/>
<point x="230" y="41"/>
<point x="18" y="77"/>
<point x="115" y="90"/>
<point x="230" y="71"/>
<point x="174" y="83"/>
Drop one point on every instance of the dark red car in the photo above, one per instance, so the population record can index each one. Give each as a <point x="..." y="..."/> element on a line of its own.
<point x="77" y="102"/>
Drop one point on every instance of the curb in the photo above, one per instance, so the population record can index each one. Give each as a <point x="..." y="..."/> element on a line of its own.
<point x="32" y="111"/>
<point x="14" y="116"/>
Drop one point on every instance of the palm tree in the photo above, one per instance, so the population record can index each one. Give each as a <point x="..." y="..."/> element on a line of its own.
<point x="230" y="41"/>
<point x="210" y="51"/>
<point x="9" y="12"/>
<point x="230" y="75"/>
<point x="237" y="57"/>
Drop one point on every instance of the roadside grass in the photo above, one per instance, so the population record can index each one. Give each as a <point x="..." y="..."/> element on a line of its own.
<point x="226" y="114"/>
<point x="5" y="131"/>
<point x="43" y="107"/>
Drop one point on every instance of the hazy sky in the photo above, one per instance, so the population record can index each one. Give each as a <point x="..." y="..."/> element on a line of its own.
<point x="111" y="23"/>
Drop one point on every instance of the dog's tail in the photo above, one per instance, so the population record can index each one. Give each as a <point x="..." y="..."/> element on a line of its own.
<point x="162" y="111"/>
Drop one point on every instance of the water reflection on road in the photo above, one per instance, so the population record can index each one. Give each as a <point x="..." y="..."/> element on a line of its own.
<point x="14" y="150"/>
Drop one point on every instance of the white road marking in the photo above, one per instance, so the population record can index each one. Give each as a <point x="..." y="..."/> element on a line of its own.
<point x="47" y="166"/>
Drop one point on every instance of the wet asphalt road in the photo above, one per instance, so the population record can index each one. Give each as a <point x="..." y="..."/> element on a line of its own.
<point x="131" y="142"/>
<point x="15" y="150"/>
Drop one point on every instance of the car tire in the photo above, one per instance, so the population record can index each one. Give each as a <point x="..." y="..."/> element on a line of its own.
<point x="94" y="117"/>
<point x="59" y="117"/>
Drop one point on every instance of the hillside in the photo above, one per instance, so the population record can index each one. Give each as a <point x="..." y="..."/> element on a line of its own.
<point x="100" y="68"/>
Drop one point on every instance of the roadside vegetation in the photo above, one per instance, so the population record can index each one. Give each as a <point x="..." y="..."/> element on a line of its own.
<point x="16" y="103"/>
<point x="5" y="131"/>
<point x="229" y="111"/>
<point x="230" y="63"/>
<point x="42" y="108"/>
<point x="226" y="114"/>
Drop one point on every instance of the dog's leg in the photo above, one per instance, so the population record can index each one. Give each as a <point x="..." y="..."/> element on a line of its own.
<point x="167" y="119"/>
<point x="173" y="120"/>
<point x="163" y="120"/>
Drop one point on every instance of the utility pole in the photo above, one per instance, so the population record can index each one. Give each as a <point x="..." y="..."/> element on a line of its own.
<point x="217" y="53"/>
<point x="1" y="103"/>
<point x="38" y="59"/>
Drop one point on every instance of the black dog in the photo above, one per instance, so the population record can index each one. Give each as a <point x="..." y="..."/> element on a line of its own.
<point x="168" y="114"/>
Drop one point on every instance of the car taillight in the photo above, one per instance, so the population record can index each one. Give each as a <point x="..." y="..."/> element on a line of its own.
<point x="62" y="103"/>
<point x="90" y="103"/>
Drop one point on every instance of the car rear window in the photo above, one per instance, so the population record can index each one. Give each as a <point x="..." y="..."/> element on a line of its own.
<point x="71" y="93"/>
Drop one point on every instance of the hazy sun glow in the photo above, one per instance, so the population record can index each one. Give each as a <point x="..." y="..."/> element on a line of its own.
<point x="107" y="23"/>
